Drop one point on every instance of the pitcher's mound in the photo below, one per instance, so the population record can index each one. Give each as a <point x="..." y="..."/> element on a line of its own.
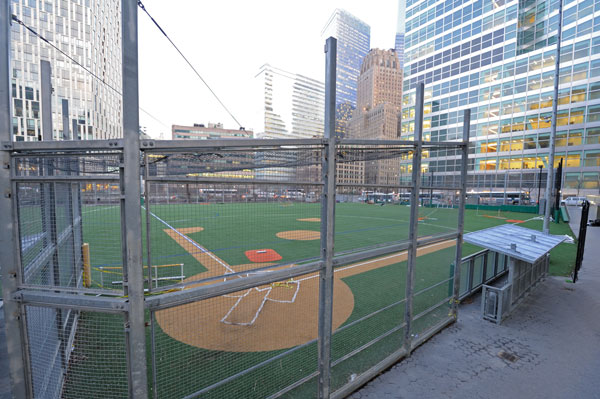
<point x="301" y="235"/>
<point x="262" y="255"/>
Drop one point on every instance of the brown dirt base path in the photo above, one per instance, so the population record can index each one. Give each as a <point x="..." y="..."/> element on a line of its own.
<point x="286" y="318"/>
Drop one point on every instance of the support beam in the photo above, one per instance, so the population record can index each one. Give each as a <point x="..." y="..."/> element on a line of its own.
<point x="414" y="216"/>
<point x="8" y="235"/>
<point x="132" y="220"/>
<point x="65" y="119"/>
<point x="327" y="223"/>
<point x="46" y="97"/>
<point x="550" y="176"/>
<point x="461" y="210"/>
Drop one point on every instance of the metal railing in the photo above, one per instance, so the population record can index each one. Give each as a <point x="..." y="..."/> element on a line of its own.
<point x="481" y="268"/>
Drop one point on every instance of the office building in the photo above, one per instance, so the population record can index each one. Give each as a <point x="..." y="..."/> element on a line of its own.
<point x="289" y="105"/>
<point x="379" y="98"/>
<point x="89" y="32"/>
<point x="233" y="164"/>
<point x="399" y="42"/>
<point x="353" y="43"/>
<point x="210" y="131"/>
<point x="497" y="57"/>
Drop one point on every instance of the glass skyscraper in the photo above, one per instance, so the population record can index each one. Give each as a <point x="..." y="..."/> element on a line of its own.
<point x="497" y="58"/>
<point x="353" y="43"/>
<point x="290" y="105"/>
<point x="89" y="32"/>
<point x="399" y="42"/>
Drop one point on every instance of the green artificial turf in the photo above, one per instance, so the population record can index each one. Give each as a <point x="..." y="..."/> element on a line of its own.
<point x="229" y="230"/>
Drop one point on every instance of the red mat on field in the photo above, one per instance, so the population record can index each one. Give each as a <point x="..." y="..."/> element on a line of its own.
<point x="262" y="255"/>
<point x="514" y="221"/>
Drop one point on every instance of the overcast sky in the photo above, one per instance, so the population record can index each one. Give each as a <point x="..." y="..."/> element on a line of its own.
<point x="227" y="41"/>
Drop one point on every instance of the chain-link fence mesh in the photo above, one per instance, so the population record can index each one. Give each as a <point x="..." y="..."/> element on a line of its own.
<point x="211" y="217"/>
<point x="76" y="354"/>
<point x="252" y="343"/>
<point x="63" y="203"/>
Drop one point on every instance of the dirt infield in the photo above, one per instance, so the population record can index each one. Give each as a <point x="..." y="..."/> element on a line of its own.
<point x="277" y="316"/>
<point x="301" y="235"/>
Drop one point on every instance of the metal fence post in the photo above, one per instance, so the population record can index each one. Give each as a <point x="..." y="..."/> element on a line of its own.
<point x="461" y="212"/>
<point x="133" y="279"/>
<point x="327" y="223"/>
<point x="46" y="97"/>
<point x="8" y="240"/>
<point x="414" y="215"/>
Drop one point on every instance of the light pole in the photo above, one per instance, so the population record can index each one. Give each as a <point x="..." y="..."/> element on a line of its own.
<point x="550" y="178"/>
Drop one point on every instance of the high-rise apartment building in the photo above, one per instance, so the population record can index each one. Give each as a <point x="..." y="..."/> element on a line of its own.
<point x="379" y="98"/>
<point x="399" y="42"/>
<point x="291" y="105"/>
<point x="497" y="57"/>
<point x="88" y="31"/>
<point x="353" y="43"/>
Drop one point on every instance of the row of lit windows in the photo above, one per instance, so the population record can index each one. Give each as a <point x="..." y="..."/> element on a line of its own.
<point x="570" y="160"/>
<point x="532" y="142"/>
<point x="585" y="180"/>
<point x="518" y="105"/>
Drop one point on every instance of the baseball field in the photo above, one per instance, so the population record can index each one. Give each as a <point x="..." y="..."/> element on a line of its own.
<point x="234" y="345"/>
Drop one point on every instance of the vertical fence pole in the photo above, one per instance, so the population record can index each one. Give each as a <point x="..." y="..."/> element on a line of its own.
<point x="461" y="212"/>
<point x="132" y="222"/>
<point x="8" y="240"/>
<point x="148" y="224"/>
<point x="550" y="177"/>
<point x="414" y="215"/>
<point x="46" y="97"/>
<point x="327" y="223"/>
<point x="65" y="119"/>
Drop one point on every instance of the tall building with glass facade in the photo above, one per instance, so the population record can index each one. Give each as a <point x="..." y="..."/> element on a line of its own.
<point x="353" y="43"/>
<point x="399" y="42"/>
<point x="89" y="32"/>
<point x="290" y="105"/>
<point x="497" y="57"/>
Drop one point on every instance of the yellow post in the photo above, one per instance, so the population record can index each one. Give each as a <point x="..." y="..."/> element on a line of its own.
<point x="87" y="268"/>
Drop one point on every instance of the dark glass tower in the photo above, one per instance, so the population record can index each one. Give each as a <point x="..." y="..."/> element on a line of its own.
<point x="354" y="42"/>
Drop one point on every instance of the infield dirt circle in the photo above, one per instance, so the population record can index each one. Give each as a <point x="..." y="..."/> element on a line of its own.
<point x="277" y="316"/>
<point x="300" y="235"/>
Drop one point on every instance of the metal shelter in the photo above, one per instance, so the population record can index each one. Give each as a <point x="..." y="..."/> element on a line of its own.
<point x="528" y="256"/>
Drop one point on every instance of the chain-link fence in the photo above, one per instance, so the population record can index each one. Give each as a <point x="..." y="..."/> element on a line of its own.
<point x="239" y="243"/>
<point x="222" y="268"/>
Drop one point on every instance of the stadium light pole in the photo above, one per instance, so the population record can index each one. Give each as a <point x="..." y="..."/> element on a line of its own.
<point x="550" y="177"/>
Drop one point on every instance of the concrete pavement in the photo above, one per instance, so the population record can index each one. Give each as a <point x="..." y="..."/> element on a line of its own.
<point x="554" y="334"/>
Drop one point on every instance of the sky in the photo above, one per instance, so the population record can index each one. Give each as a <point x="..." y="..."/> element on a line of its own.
<point x="227" y="41"/>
